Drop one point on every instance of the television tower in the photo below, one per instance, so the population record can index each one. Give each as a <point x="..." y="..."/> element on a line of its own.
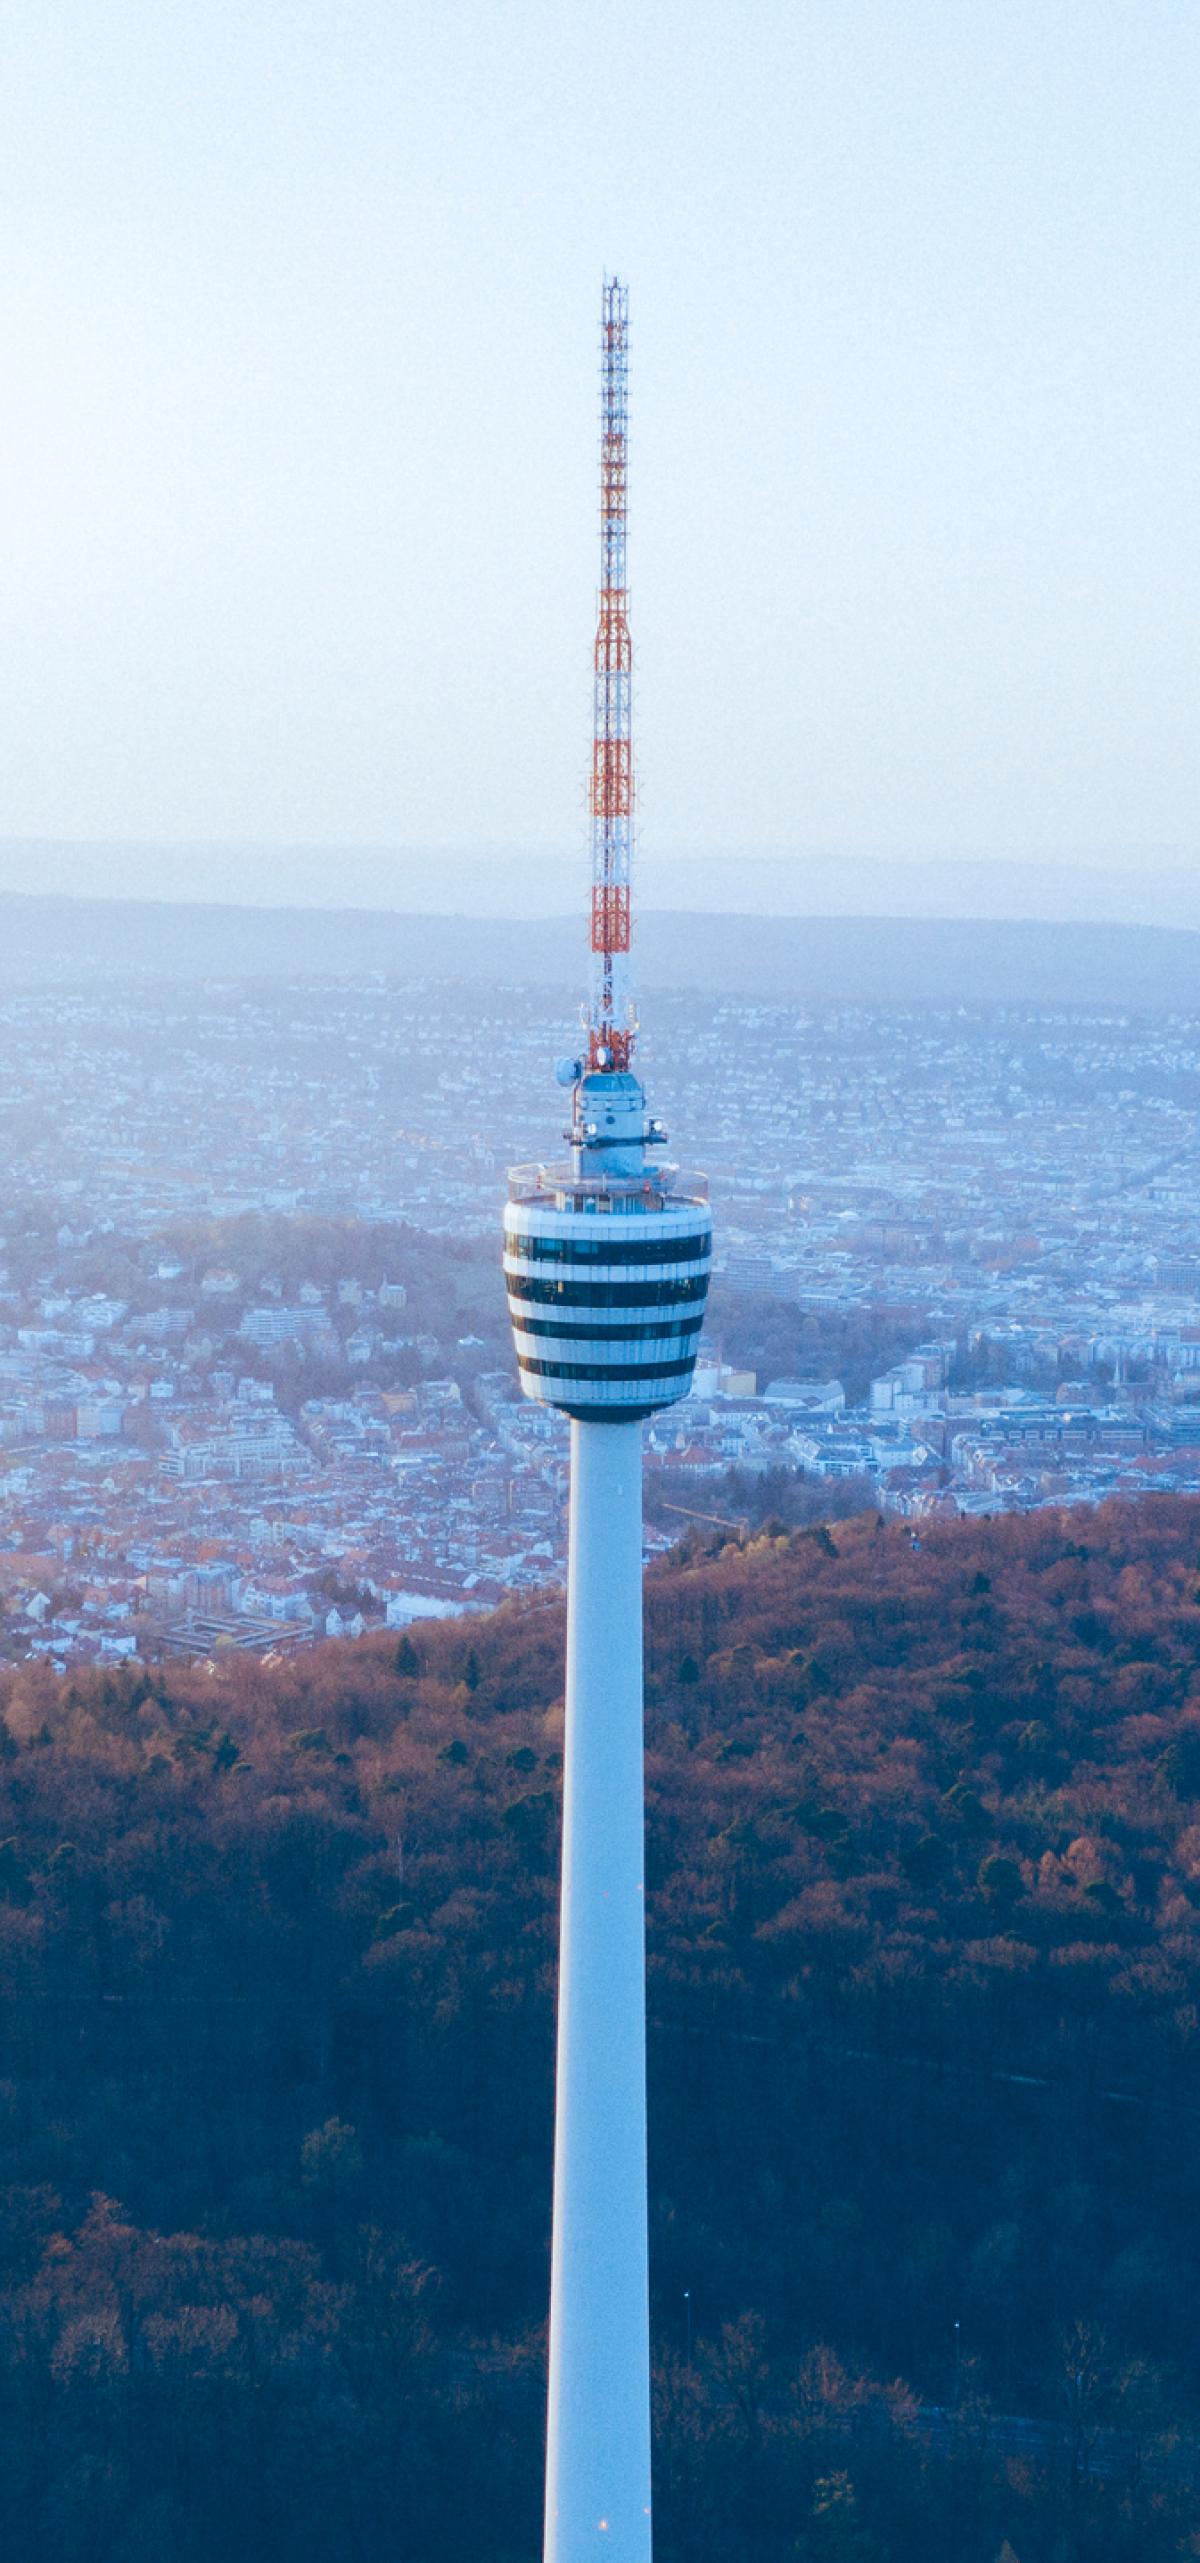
<point x="607" y="1260"/>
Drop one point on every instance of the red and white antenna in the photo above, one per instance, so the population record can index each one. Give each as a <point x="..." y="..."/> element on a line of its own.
<point x="611" y="1017"/>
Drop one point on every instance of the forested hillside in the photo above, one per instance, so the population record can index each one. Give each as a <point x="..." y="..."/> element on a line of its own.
<point x="277" y="1960"/>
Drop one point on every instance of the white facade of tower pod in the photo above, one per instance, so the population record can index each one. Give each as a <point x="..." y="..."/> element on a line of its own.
<point x="598" y="2465"/>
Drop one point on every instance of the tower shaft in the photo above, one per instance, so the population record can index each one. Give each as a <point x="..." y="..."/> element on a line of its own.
<point x="598" y="2441"/>
<point x="610" y="1006"/>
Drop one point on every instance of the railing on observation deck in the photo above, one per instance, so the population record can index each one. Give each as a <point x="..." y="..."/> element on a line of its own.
<point x="559" y="1187"/>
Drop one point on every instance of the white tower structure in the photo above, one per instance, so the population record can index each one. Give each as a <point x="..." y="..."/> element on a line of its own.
<point x="607" y="1261"/>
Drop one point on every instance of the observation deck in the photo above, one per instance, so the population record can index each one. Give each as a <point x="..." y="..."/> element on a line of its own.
<point x="607" y="1276"/>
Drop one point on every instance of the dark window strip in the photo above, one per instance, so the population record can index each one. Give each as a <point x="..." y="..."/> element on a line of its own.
<point x="622" y="1374"/>
<point x="598" y="1294"/>
<point x="614" y="1414"/>
<point x="610" y="1250"/>
<point x="663" y="1332"/>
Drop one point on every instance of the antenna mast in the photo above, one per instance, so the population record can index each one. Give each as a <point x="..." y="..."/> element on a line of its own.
<point x="611" y="1018"/>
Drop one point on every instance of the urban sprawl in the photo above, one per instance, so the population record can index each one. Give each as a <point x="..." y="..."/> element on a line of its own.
<point x="255" y="1378"/>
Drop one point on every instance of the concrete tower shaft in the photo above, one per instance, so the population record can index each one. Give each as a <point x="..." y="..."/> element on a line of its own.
<point x="598" y="2420"/>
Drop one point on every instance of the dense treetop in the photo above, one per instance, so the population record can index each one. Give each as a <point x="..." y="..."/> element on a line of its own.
<point x="277" y="1954"/>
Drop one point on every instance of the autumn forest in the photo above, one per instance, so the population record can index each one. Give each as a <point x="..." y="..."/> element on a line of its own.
<point x="277" y="1970"/>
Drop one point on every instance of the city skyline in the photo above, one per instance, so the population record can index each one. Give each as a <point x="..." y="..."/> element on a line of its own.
<point x="255" y="1397"/>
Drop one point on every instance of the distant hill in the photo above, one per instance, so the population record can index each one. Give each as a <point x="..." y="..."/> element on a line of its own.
<point x="1148" y="885"/>
<point x="811" y="960"/>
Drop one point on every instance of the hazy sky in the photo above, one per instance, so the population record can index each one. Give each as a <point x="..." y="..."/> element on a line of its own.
<point x="297" y="417"/>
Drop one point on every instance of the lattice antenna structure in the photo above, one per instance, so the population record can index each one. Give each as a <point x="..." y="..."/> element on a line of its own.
<point x="611" y="1021"/>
